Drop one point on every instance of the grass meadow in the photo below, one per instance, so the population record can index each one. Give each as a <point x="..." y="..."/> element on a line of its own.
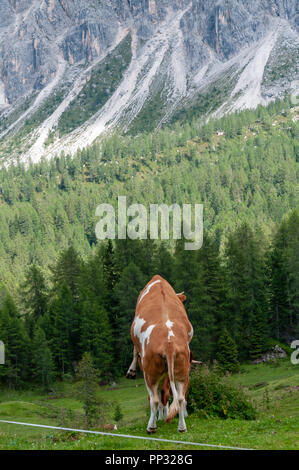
<point x="274" y="388"/>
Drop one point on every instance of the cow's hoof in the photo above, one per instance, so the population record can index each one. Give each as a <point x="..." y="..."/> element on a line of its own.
<point x="183" y="430"/>
<point x="151" y="430"/>
<point x="131" y="374"/>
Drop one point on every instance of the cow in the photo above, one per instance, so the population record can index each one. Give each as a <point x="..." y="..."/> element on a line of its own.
<point x="161" y="333"/>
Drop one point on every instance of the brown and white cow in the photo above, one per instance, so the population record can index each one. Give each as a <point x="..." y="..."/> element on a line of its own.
<point x="161" y="333"/>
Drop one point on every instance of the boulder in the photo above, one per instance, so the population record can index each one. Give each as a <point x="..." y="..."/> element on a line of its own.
<point x="275" y="353"/>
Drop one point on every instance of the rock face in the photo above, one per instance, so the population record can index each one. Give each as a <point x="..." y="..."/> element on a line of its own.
<point x="179" y="48"/>
<point x="276" y="353"/>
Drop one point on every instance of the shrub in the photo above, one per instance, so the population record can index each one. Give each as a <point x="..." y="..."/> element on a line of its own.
<point x="212" y="394"/>
<point x="118" y="415"/>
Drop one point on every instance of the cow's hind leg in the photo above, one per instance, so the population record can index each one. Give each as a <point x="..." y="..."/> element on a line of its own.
<point x="166" y="408"/>
<point x="131" y="374"/>
<point x="185" y="409"/>
<point x="163" y="411"/>
<point x="161" y="407"/>
<point x="164" y="398"/>
<point x="182" y="406"/>
<point x="154" y="403"/>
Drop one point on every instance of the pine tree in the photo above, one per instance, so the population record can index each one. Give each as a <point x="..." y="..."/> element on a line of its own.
<point x="163" y="262"/>
<point x="185" y="269"/>
<point x="87" y="389"/>
<point x="278" y="284"/>
<point x="202" y="313"/>
<point x="227" y="353"/>
<point x="145" y="262"/>
<point x="97" y="304"/>
<point x="111" y="275"/>
<point x="257" y="339"/>
<point x="67" y="270"/>
<point x="247" y="290"/>
<point x="62" y="345"/>
<point x="110" y="278"/>
<point x="66" y="277"/>
<point x="96" y="336"/>
<point x="34" y="294"/>
<point x="283" y="262"/>
<point x="127" y="290"/>
<point x="16" y="342"/>
<point x="200" y="275"/>
<point x="43" y="366"/>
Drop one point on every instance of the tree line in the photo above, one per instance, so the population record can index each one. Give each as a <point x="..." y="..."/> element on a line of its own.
<point x="246" y="294"/>
<point x="243" y="168"/>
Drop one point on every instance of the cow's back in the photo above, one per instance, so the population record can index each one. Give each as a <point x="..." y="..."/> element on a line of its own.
<point x="161" y="321"/>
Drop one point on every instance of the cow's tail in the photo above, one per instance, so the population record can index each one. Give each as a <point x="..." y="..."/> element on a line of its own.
<point x="174" y="407"/>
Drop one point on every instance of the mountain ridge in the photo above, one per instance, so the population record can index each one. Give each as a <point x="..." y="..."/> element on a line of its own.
<point x="225" y="55"/>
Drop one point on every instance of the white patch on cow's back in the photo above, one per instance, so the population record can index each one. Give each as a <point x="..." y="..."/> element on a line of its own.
<point x="169" y="325"/>
<point x="142" y="335"/>
<point x="138" y="324"/>
<point x="146" y="291"/>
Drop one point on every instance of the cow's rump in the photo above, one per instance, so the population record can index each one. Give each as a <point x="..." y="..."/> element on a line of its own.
<point x="161" y="333"/>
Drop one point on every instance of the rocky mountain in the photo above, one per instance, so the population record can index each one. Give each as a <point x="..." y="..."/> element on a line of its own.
<point x="71" y="70"/>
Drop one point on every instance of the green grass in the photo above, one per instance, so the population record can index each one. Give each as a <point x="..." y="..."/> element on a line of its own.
<point x="277" y="425"/>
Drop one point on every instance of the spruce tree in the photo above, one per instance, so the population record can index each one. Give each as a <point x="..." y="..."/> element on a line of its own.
<point x="34" y="296"/>
<point x="88" y="377"/>
<point x="279" y="305"/>
<point x="43" y="366"/>
<point x="110" y="277"/>
<point x="96" y="336"/>
<point x="227" y="353"/>
<point x="200" y="275"/>
<point x="163" y="262"/>
<point x="283" y="262"/>
<point x="247" y="289"/>
<point x="17" y="345"/>
<point x="127" y="290"/>
<point x="67" y="270"/>
<point x="62" y="345"/>
<point x="257" y="340"/>
<point x="66" y="274"/>
<point x="109" y="265"/>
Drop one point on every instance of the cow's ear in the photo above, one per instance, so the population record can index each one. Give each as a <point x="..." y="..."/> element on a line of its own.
<point x="182" y="297"/>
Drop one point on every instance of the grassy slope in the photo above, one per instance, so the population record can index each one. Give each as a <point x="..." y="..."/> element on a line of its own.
<point x="277" y="426"/>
